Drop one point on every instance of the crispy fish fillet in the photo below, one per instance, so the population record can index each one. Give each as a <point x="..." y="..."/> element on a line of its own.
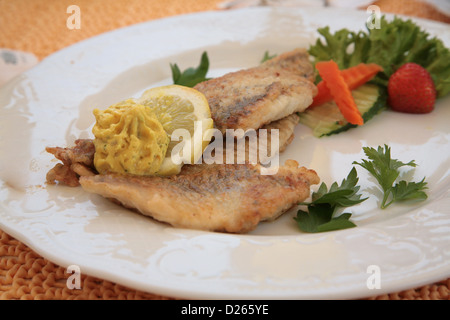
<point x="262" y="144"/>
<point x="252" y="98"/>
<point x="295" y="61"/>
<point x="78" y="160"/>
<point x="285" y="129"/>
<point x="218" y="197"/>
<point x="224" y="198"/>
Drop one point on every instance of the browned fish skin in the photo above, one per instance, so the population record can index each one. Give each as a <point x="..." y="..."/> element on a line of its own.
<point x="76" y="161"/>
<point x="295" y="61"/>
<point x="251" y="98"/>
<point x="252" y="152"/>
<point x="285" y="128"/>
<point x="223" y="198"/>
<point x="82" y="152"/>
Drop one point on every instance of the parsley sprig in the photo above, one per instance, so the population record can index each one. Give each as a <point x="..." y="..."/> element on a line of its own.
<point x="191" y="76"/>
<point x="325" y="203"/>
<point x="386" y="172"/>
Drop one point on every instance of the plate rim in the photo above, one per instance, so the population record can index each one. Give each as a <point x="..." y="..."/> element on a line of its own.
<point x="28" y="239"/>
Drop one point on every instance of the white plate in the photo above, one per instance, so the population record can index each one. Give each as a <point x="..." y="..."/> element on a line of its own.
<point x="51" y="105"/>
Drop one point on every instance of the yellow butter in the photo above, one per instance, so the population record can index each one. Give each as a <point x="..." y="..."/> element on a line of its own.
<point x="128" y="139"/>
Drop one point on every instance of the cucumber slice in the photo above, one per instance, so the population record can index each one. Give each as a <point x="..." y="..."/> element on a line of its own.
<point x="326" y="119"/>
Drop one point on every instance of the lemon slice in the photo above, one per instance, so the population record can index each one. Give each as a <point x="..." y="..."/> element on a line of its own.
<point x="185" y="116"/>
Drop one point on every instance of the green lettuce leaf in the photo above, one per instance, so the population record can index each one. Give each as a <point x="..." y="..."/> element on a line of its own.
<point x="395" y="43"/>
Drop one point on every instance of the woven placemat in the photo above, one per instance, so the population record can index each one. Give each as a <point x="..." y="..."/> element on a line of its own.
<point x="39" y="26"/>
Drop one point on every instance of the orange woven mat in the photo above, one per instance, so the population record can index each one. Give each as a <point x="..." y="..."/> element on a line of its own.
<point x="39" y="26"/>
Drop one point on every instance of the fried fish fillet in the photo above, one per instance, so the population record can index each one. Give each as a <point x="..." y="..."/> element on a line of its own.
<point x="250" y="150"/>
<point x="78" y="160"/>
<point x="296" y="61"/>
<point x="252" y="98"/>
<point x="285" y="127"/>
<point x="218" y="197"/>
<point x="223" y="198"/>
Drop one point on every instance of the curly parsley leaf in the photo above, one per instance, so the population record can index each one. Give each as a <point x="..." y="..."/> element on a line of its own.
<point x="325" y="202"/>
<point x="191" y="76"/>
<point x="386" y="172"/>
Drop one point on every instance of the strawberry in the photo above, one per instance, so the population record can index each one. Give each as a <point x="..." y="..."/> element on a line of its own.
<point x="411" y="89"/>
